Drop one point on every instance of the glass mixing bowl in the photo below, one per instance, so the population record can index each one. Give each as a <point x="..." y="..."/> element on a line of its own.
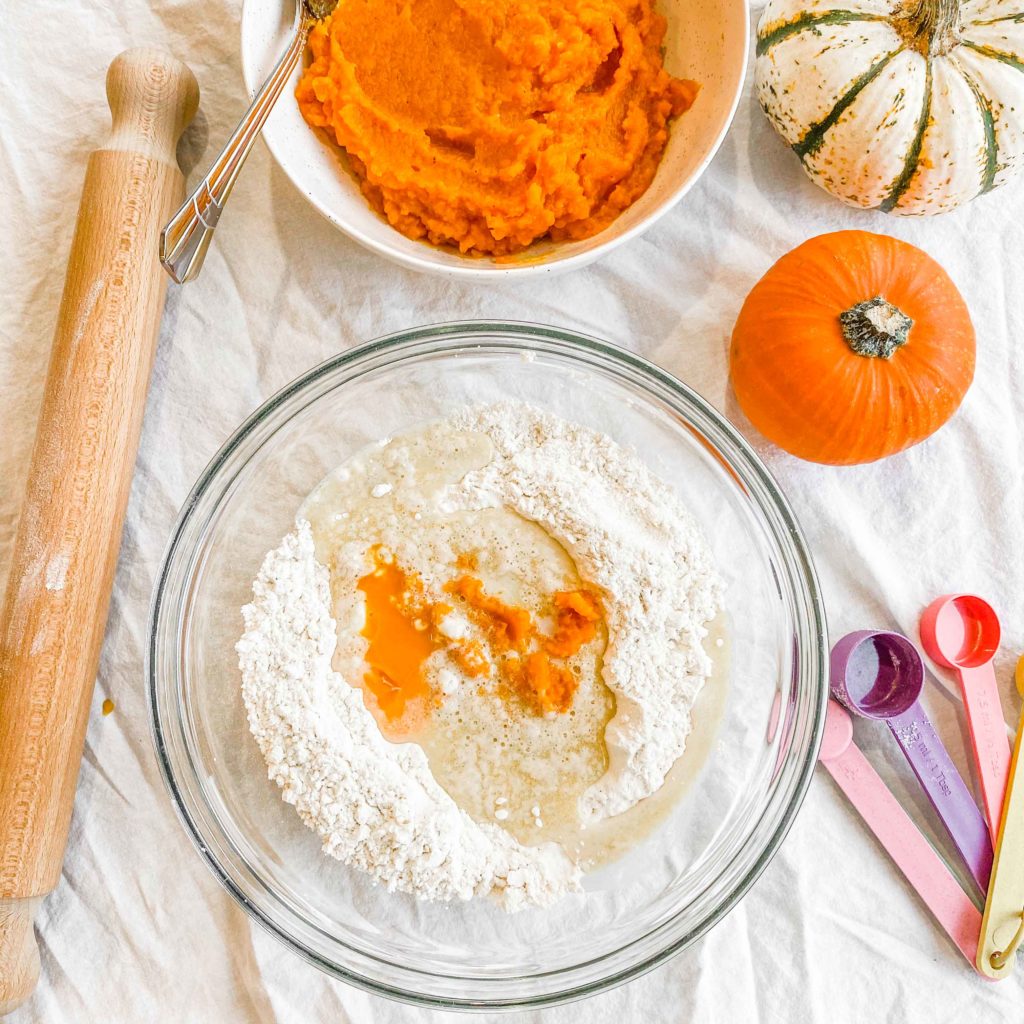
<point x="636" y="912"/>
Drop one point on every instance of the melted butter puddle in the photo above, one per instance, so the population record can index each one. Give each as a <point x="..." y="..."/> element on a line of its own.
<point x="534" y="779"/>
<point x="606" y="841"/>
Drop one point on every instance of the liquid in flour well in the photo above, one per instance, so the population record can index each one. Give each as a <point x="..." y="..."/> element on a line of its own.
<point x="500" y="762"/>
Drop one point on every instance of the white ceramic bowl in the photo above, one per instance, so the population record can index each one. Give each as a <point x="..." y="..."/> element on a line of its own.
<point x="706" y="41"/>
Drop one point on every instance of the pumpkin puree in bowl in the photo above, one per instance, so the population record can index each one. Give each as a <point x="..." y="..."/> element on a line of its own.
<point x="488" y="124"/>
<point x="404" y="628"/>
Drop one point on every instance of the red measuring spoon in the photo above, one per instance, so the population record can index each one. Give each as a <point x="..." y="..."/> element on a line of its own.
<point x="961" y="631"/>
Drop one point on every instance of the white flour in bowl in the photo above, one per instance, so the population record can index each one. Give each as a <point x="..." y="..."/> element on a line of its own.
<point x="376" y="804"/>
<point x="628" y="533"/>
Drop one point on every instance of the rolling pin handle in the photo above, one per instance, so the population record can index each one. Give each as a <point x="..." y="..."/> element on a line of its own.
<point x="152" y="97"/>
<point x="19" y="952"/>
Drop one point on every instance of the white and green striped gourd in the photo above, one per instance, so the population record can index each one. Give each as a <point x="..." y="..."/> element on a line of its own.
<point x="910" y="108"/>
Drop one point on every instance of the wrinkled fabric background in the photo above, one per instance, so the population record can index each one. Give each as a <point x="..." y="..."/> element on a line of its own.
<point x="138" y="929"/>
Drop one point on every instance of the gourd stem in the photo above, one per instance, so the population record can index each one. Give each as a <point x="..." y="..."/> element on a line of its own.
<point x="932" y="27"/>
<point x="875" y="328"/>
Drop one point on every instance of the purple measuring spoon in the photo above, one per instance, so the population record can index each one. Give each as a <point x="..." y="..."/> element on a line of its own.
<point x="879" y="674"/>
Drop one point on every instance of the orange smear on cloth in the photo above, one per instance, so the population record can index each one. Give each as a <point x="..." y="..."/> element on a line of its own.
<point x="488" y="124"/>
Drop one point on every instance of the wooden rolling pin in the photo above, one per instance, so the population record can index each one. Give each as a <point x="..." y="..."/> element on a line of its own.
<point x="62" y="568"/>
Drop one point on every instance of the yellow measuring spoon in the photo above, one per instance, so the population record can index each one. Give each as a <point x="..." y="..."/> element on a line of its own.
<point x="1002" y="927"/>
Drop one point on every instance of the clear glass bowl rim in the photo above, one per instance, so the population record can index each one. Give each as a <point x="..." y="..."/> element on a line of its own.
<point x="728" y="446"/>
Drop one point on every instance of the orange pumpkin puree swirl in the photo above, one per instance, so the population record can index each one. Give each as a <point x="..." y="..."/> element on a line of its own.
<point x="488" y="124"/>
<point x="403" y="629"/>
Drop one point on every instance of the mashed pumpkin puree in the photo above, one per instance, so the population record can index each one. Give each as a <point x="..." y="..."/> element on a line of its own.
<point x="488" y="124"/>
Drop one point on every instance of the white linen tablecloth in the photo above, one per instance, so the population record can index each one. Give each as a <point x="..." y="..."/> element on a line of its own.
<point x="138" y="929"/>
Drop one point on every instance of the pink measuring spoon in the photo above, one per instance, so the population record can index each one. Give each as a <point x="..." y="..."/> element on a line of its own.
<point x="914" y="856"/>
<point x="961" y="632"/>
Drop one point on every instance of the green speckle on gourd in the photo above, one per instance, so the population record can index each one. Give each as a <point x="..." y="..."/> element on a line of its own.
<point x="875" y="328"/>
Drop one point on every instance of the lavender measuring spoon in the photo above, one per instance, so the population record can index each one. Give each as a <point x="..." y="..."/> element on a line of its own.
<point x="879" y="674"/>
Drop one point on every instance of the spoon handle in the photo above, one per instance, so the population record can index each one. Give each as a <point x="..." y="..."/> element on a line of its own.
<point x="1005" y="907"/>
<point x="186" y="236"/>
<point x="988" y="738"/>
<point x="914" y="856"/>
<point x="949" y="795"/>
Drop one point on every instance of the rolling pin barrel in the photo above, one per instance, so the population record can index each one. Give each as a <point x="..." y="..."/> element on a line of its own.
<point x="62" y="566"/>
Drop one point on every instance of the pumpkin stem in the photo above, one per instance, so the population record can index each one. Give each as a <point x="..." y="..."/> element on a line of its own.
<point x="932" y="27"/>
<point x="875" y="328"/>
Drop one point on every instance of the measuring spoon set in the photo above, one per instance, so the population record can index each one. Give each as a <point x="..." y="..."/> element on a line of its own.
<point x="879" y="675"/>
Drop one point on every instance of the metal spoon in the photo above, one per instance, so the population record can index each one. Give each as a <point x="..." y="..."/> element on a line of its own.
<point x="186" y="236"/>
<point x="1002" y="929"/>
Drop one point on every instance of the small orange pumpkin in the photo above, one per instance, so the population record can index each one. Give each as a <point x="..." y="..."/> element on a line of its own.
<point x="852" y="347"/>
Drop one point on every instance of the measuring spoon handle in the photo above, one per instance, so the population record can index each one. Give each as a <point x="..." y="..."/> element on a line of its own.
<point x="988" y="738"/>
<point x="913" y="855"/>
<point x="1006" y="896"/>
<point x="945" y="787"/>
